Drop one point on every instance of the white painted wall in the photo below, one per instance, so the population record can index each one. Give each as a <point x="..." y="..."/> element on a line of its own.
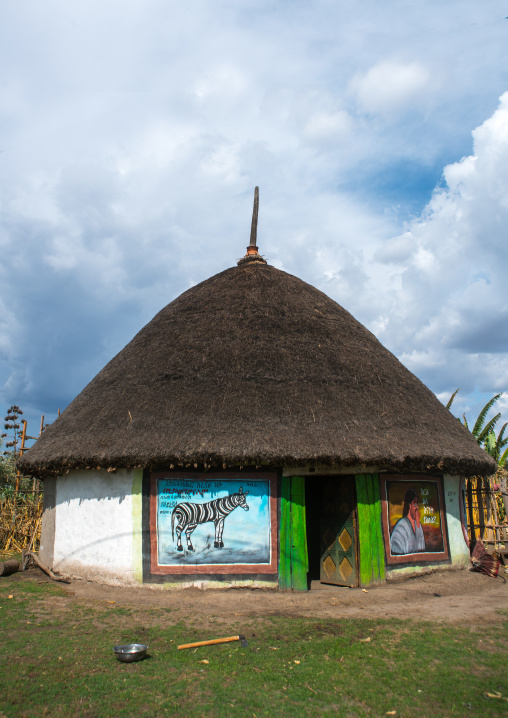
<point x="459" y="551"/>
<point x="98" y="527"/>
<point x="94" y="526"/>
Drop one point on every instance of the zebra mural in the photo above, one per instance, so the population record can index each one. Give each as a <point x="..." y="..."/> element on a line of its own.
<point x="190" y="515"/>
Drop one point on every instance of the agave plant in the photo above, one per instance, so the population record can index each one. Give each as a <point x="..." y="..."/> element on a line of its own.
<point x="484" y="433"/>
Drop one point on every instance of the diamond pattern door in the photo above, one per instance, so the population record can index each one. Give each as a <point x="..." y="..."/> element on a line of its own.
<point x="338" y="532"/>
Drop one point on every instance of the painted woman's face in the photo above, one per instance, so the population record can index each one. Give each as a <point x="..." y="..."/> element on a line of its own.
<point x="413" y="509"/>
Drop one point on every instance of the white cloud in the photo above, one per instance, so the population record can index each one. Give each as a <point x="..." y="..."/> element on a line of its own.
<point x="328" y="127"/>
<point x="452" y="308"/>
<point x="389" y="86"/>
<point x="222" y="82"/>
<point x="396" y="250"/>
<point x="133" y="135"/>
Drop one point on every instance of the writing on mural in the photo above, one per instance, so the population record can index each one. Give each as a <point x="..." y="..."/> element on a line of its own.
<point x="203" y="485"/>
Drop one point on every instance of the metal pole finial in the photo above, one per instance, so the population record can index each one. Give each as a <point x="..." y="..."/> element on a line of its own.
<point x="254" y="226"/>
<point x="253" y="255"/>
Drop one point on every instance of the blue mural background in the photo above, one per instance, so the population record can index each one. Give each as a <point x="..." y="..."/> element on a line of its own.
<point x="246" y="535"/>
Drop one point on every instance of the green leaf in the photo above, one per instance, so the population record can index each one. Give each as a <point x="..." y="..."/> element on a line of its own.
<point x="490" y="443"/>
<point x="500" y="443"/>
<point x="503" y="458"/>
<point x="450" y="400"/>
<point x="478" y="427"/>
<point x="489" y="428"/>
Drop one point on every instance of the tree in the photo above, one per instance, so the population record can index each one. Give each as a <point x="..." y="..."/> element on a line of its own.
<point x="13" y="414"/>
<point x="484" y="433"/>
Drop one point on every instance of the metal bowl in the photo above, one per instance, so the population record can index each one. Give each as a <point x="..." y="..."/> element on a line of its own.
<point x="131" y="652"/>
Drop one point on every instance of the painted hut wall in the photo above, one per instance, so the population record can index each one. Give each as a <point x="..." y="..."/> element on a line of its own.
<point x="293" y="555"/>
<point x="458" y="549"/>
<point x="93" y="523"/>
<point x="46" y="549"/>
<point x="242" y="550"/>
<point x="370" y="544"/>
<point x="98" y="526"/>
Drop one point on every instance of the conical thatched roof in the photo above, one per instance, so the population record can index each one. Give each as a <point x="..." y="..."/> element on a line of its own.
<point x="255" y="366"/>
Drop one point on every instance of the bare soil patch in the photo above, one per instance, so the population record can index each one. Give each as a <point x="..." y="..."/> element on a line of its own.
<point x="460" y="597"/>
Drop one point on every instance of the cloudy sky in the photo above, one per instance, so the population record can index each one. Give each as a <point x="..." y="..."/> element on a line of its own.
<point x="133" y="132"/>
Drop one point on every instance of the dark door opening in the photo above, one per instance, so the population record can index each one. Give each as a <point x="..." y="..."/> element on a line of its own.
<point x="330" y="503"/>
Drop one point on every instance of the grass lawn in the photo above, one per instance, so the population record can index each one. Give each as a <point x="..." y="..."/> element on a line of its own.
<point x="56" y="659"/>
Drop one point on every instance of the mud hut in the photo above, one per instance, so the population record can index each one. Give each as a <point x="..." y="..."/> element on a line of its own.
<point x="254" y="434"/>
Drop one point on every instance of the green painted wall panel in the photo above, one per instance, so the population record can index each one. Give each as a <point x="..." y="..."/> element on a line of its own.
<point x="299" y="557"/>
<point x="285" y="534"/>
<point x="293" y="558"/>
<point x="378" y="527"/>
<point x="372" y="524"/>
<point x="364" y="533"/>
<point x="372" y="558"/>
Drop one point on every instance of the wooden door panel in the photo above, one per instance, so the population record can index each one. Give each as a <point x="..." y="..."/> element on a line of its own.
<point x="338" y="564"/>
<point x="293" y="559"/>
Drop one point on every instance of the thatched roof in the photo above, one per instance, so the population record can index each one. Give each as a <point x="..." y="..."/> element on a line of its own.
<point x="250" y="367"/>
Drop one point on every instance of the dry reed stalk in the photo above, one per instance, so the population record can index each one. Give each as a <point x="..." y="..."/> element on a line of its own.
<point x="20" y="515"/>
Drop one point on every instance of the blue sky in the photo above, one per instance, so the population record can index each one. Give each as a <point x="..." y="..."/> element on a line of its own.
<point x="133" y="133"/>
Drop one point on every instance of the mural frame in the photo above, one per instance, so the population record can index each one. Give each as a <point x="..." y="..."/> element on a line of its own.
<point x="419" y="556"/>
<point x="245" y="478"/>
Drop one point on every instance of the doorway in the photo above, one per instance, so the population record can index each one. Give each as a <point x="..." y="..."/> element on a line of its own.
<point x="331" y="518"/>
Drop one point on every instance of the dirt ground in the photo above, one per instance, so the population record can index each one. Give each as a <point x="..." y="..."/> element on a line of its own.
<point x="460" y="597"/>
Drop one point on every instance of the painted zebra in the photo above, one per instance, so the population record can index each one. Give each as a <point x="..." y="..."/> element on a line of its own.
<point x="190" y="515"/>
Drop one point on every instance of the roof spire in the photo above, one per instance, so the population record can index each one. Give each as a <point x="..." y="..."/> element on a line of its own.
<point x="254" y="226"/>
<point x="252" y="250"/>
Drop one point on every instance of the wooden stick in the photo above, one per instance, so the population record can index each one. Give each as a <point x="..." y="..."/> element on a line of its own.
<point x="23" y="437"/>
<point x="209" y="643"/>
<point x="47" y="570"/>
<point x="495" y="526"/>
<point x="254" y="225"/>
<point x="30" y="545"/>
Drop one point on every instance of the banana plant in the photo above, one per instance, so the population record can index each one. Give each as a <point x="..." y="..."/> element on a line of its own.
<point x="494" y="445"/>
<point x="484" y="433"/>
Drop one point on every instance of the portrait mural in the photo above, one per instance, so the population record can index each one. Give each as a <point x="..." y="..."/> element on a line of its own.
<point x="210" y="522"/>
<point x="414" y="519"/>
